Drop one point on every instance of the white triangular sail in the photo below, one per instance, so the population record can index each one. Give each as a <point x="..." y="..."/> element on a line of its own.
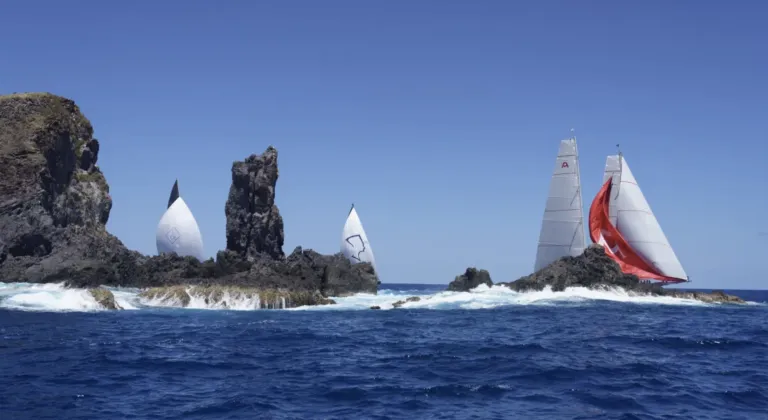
<point x="354" y="241"/>
<point x="630" y="213"/>
<point x="562" y="229"/>
<point x="178" y="231"/>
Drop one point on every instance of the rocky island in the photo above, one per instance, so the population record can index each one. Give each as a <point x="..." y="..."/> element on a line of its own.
<point x="592" y="269"/>
<point x="55" y="204"/>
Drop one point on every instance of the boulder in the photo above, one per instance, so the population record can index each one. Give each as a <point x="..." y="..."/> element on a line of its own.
<point x="471" y="278"/>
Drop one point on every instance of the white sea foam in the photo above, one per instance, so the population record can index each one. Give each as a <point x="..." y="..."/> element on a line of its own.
<point x="55" y="297"/>
<point x="484" y="297"/>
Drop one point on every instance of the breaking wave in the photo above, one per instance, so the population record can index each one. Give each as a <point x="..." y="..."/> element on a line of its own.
<point x="57" y="298"/>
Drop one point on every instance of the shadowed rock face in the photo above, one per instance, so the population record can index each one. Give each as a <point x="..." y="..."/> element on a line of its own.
<point x="254" y="224"/>
<point x="55" y="203"/>
<point x="590" y="269"/>
<point x="51" y="190"/>
<point x="470" y="279"/>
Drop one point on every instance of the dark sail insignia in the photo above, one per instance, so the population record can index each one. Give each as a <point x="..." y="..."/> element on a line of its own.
<point x="358" y="244"/>
<point x="174" y="193"/>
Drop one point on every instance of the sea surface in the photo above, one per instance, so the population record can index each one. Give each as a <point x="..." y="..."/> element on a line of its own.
<point x="486" y="354"/>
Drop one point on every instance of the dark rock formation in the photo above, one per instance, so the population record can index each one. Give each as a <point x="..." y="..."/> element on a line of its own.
<point x="254" y="224"/>
<point x="590" y="269"/>
<point x="595" y="270"/>
<point x="470" y="279"/>
<point x="55" y="203"/>
<point x="375" y="307"/>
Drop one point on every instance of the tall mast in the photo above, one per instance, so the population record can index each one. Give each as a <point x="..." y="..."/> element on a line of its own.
<point x="578" y="179"/>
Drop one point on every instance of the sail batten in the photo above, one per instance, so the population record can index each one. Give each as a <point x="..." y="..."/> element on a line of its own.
<point x="562" y="226"/>
<point x="354" y="241"/>
<point x="630" y="226"/>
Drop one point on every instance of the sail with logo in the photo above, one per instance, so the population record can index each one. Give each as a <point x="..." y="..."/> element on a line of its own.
<point x="354" y="241"/>
<point x="562" y="228"/>
<point x="621" y="220"/>
<point x="177" y="231"/>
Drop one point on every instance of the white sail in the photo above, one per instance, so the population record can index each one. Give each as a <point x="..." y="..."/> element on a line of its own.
<point x="562" y="229"/>
<point x="354" y="241"/>
<point x="178" y="231"/>
<point x="630" y="213"/>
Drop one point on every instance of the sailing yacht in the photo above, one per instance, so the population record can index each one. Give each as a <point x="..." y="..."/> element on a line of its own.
<point x="354" y="241"/>
<point x="562" y="228"/>
<point x="621" y="220"/>
<point x="177" y="231"/>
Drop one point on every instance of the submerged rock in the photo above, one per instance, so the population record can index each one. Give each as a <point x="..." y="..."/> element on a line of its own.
<point x="105" y="298"/>
<point x="375" y="307"/>
<point x="471" y="278"/>
<point x="400" y="303"/>
<point x="55" y="203"/>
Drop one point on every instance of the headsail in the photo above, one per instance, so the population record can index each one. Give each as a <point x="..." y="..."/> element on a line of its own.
<point x="178" y="231"/>
<point x="562" y="229"/>
<point x="354" y="241"/>
<point x="621" y="220"/>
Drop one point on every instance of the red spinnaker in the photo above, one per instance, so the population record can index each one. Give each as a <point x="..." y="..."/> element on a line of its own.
<point x="604" y="233"/>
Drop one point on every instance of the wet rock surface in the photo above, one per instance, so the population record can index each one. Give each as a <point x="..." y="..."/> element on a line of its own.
<point x="55" y="203"/>
<point x="471" y="278"/>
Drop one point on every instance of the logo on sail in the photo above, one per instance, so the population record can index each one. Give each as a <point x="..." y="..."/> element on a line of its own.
<point x="358" y="244"/>
<point x="173" y="235"/>
<point x="564" y="165"/>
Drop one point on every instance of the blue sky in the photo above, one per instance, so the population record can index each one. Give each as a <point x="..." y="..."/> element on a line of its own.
<point x="439" y="119"/>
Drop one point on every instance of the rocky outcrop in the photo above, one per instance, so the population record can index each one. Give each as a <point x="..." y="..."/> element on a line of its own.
<point x="227" y="297"/>
<point x="104" y="298"/>
<point x="590" y="269"/>
<point x="471" y="278"/>
<point x="254" y="224"/>
<point x="55" y="203"/>
<point x="595" y="270"/>
<point x="54" y="199"/>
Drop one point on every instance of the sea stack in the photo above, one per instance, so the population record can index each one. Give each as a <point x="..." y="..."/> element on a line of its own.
<point x="55" y="203"/>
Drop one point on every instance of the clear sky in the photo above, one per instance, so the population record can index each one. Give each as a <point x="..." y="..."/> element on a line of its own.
<point x="439" y="119"/>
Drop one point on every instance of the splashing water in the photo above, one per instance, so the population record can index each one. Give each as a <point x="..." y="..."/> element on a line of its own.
<point x="57" y="298"/>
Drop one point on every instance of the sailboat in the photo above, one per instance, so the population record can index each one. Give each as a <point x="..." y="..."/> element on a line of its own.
<point x="562" y="228"/>
<point x="178" y="231"/>
<point x="354" y="241"/>
<point x="621" y="220"/>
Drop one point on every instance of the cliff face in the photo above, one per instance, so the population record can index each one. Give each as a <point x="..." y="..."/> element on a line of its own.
<point x="54" y="200"/>
<point x="55" y="203"/>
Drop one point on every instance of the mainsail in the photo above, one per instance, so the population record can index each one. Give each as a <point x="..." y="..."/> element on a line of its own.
<point x="562" y="229"/>
<point x="621" y="220"/>
<point x="178" y="231"/>
<point x="354" y="242"/>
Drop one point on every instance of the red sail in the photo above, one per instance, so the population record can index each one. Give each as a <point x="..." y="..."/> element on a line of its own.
<point x="604" y="233"/>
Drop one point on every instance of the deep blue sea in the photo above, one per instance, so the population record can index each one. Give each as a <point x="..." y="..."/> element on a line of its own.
<point x="488" y="354"/>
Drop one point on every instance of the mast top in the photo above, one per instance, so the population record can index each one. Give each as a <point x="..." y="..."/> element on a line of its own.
<point x="352" y="208"/>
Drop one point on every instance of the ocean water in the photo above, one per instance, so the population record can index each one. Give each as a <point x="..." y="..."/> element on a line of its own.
<point x="486" y="354"/>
